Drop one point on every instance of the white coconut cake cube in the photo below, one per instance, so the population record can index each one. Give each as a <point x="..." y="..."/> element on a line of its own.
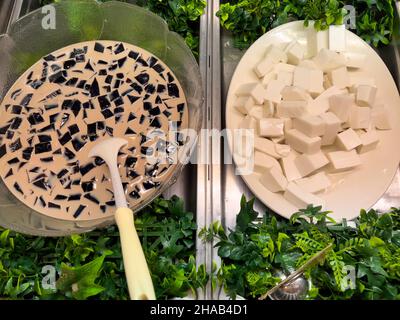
<point x="274" y="180"/>
<point x="301" y="198"/>
<point x="332" y="127"/>
<point x="315" y="183"/>
<point x="301" y="142"/>
<point x="312" y="126"/>
<point x="309" y="163"/>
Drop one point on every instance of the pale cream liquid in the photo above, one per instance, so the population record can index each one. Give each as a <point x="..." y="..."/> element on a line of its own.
<point x="21" y="181"/>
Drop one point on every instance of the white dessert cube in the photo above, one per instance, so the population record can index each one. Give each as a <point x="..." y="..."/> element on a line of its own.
<point x="365" y="95"/>
<point x="340" y="105"/>
<point x="327" y="60"/>
<point x="265" y="66"/>
<point x="291" y="109"/>
<point x="292" y="93"/>
<point x="266" y="146"/>
<point x="274" y="180"/>
<point x="248" y="122"/>
<point x="369" y="141"/>
<point x="289" y="167"/>
<point x="254" y="90"/>
<point x="268" y="77"/>
<point x="301" y="198"/>
<point x="315" y="183"/>
<point x="344" y="160"/>
<point x="381" y="118"/>
<point x="268" y="109"/>
<point x="257" y="112"/>
<point x="270" y="127"/>
<point x="286" y="77"/>
<point x="348" y="140"/>
<point x="312" y="126"/>
<point x="339" y="77"/>
<point x="309" y="79"/>
<point x="285" y="67"/>
<point x="316" y="40"/>
<point x="354" y="60"/>
<point x="360" y="117"/>
<point x="295" y="53"/>
<point x="308" y="163"/>
<point x="301" y="142"/>
<point x="282" y="149"/>
<point x="321" y="103"/>
<point x="332" y="127"/>
<point x="337" y="38"/>
<point x="263" y="161"/>
<point x="244" y="104"/>
<point x="276" y="54"/>
<point x="273" y="91"/>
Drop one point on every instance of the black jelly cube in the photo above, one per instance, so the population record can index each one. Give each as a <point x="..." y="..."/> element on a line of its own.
<point x="143" y="78"/>
<point x="69" y="64"/>
<point x="18" y="188"/>
<point x="121" y="62"/>
<point x="133" y="99"/>
<point x="147" y="105"/>
<point x="129" y="131"/>
<point x="173" y="90"/>
<point x="87" y="186"/>
<point x="108" y="79"/>
<point x="16" y="122"/>
<point x="42" y="147"/>
<point x="89" y="66"/>
<point x="161" y="88"/>
<point x="86" y="168"/>
<point x="91" y="198"/>
<point x="73" y="129"/>
<point x="16" y="109"/>
<point x="136" y="87"/>
<point x="107" y="113"/>
<point x="16" y="145"/>
<point x="78" y="144"/>
<point x="120" y="47"/>
<point x="150" y="89"/>
<point x="104" y="102"/>
<point x="65" y="138"/>
<point x="155" y="123"/>
<point x="3" y="150"/>
<point x="69" y="154"/>
<point x="54" y="205"/>
<point x="78" y="211"/>
<point x="94" y="88"/>
<point x="158" y="68"/>
<point x="155" y="111"/>
<point x="98" y="47"/>
<point x="130" y="162"/>
<point x="133" y="55"/>
<point x="57" y="77"/>
<point x="27" y="153"/>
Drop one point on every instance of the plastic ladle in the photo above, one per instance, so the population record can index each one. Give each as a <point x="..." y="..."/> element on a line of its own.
<point x="137" y="272"/>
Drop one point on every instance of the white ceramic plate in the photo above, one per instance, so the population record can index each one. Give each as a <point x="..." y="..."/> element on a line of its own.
<point x="354" y="190"/>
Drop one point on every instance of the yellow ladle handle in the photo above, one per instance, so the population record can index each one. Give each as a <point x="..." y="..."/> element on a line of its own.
<point x="137" y="273"/>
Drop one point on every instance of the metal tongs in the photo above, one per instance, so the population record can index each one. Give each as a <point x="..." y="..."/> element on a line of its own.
<point x="317" y="258"/>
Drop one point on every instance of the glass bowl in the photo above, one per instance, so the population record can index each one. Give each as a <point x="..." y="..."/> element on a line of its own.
<point x="29" y="39"/>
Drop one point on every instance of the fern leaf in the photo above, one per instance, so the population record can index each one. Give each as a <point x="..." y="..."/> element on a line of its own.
<point x="307" y="244"/>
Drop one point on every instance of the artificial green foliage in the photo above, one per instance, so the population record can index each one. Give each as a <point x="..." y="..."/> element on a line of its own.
<point x="182" y="16"/>
<point x="90" y="265"/>
<point x="260" y="246"/>
<point x="247" y="20"/>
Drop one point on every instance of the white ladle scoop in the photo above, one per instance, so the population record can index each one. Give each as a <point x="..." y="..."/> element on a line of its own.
<point x="137" y="272"/>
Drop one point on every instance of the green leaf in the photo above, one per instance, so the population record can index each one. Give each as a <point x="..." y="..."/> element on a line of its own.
<point x="80" y="280"/>
<point x="246" y="215"/>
